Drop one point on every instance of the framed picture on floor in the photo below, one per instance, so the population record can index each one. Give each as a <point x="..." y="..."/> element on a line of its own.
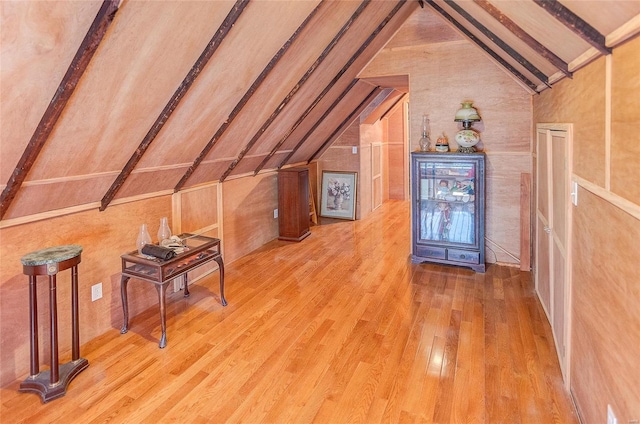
<point x="338" y="197"/>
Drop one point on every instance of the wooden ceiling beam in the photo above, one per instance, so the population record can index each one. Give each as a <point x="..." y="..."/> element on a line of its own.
<point x="67" y="86"/>
<point x="393" y="106"/>
<point x="484" y="47"/>
<point x="319" y="121"/>
<point x="177" y="96"/>
<point x="296" y="88"/>
<point x="375" y="104"/>
<point x="247" y="95"/>
<point x="516" y="30"/>
<point x="499" y="42"/>
<point x="332" y="83"/>
<point x="347" y="121"/>
<point x="576" y="24"/>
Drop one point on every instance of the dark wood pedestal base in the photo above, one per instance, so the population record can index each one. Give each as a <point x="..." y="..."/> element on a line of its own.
<point x="41" y="383"/>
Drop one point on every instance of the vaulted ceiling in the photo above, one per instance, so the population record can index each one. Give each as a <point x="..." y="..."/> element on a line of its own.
<point x="103" y="101"/>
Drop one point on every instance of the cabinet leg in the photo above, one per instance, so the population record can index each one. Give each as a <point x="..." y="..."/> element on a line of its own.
<point x="186" y="285"/>
<point x="125" y="304"/>
<point x="221" y="267"/>
<point x="75" y="330"/>
<point x="53" y="322"/>
<point x="33" y="323"/>
<point x="162" y="289"/>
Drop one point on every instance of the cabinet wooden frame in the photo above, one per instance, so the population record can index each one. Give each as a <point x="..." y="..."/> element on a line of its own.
<point x="293" y="204"/>
<point x="448" y="208"/>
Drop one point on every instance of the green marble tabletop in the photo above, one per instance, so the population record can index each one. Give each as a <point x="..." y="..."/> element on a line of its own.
<point x="51" y="255"/>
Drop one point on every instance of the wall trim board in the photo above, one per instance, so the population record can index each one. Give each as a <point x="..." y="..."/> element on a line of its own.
<point x="553" y="126"/>
<point x="160" y="168"/>
<point x="76" y="209"/>
<point x="502" y="153"/>
<point x="246" y="174"/>
<point x="83" y="177"/>
<point x="624" y="33"/>
<point x="620" y="202"/>
<point x="608" y="76"/>
<point x="525" y="222"/>
<point x="427" y="46"/>
<point x="290" y="165"/>
<point x="219" y="160"/>
<point x="581" y="61"/>
<point x="69" y="178"/>
<point x="347" y="147"/>
<point x="584" y="59"/>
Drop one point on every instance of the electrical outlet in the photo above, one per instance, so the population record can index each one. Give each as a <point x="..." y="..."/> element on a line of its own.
<point x="354" y="150"/>
<point x="96" y="292"/>
<point x="574" y="193"/>
<point x="275" y="213"/>
<point x="611" y="417"/>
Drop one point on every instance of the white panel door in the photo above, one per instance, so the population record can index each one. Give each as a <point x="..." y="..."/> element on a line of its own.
<point x="553" y="219"/>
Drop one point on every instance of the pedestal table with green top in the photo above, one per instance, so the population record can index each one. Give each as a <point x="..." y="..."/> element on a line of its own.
<point x="51" y="384"/>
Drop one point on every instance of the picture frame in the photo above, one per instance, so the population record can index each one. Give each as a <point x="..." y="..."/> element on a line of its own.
<point x="338" y="196"/>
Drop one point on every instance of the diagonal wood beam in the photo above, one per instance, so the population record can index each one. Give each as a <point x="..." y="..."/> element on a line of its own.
<point x="575" y="24"/>
<point x="319" y="121"/>
<point x="67" y="86"/>
<point x="498" y="42"/>
<point x="332" y="83"/>
<point x="296" y="87"/>
<point x="243" y="101"/>
<point x="524" y="36"/>
<point x="393" y="106"/>
<point x="375" y="104"/>
<point x="177" y="96"/>
<point x="346" y="122"/>
<point x="484" y="47"/>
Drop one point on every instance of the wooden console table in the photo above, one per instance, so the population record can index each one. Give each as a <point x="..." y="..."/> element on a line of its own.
<point x="199" y="250"/>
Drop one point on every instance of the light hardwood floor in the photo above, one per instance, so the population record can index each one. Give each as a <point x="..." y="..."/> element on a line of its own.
<point x="340" y="328"/>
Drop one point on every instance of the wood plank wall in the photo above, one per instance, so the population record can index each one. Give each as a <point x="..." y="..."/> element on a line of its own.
<point x="396" y="159"/>
<point x="248" y="213"/>
<point x="198" y="210"/>
<point x="104" y="236"/>
<point x="249" y="223"/>
<point x="606" y="229"/>
<point x="338" y="157"/>
<point x="438" y="83"/>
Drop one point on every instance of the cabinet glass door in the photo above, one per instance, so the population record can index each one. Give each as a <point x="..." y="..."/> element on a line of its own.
<point x="447" y="201"/>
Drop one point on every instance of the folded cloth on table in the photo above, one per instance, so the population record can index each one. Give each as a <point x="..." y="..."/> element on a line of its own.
<point x="159" y="252"/>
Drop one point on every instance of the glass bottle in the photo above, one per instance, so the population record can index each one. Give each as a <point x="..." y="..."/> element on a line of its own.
<point x="425" y="141"/>
<point x="164" y="232"/>
<point x="143" y="238"/>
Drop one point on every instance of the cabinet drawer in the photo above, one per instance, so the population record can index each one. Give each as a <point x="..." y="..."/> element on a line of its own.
<point x="463" y="256"/>
<point x="430" y="252"/>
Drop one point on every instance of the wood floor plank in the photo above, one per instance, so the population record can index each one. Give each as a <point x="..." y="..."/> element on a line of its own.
<point x="338" y="328"/>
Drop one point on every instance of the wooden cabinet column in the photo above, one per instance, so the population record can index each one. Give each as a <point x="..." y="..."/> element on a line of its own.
<point x="293" y="204"/>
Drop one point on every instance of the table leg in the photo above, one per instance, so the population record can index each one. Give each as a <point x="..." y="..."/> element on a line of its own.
<point x="33" y="323"/>
<point x="53" y="323"/>
<point x="221" y="267"/>
<point x="125" y="304"/>
<point x="186" y="285"/>
<point x="75" y="328"/>
<point x="162" y="289"/>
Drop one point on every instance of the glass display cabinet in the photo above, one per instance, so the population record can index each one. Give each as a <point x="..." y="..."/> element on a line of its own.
<point x="448" y="208"/>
